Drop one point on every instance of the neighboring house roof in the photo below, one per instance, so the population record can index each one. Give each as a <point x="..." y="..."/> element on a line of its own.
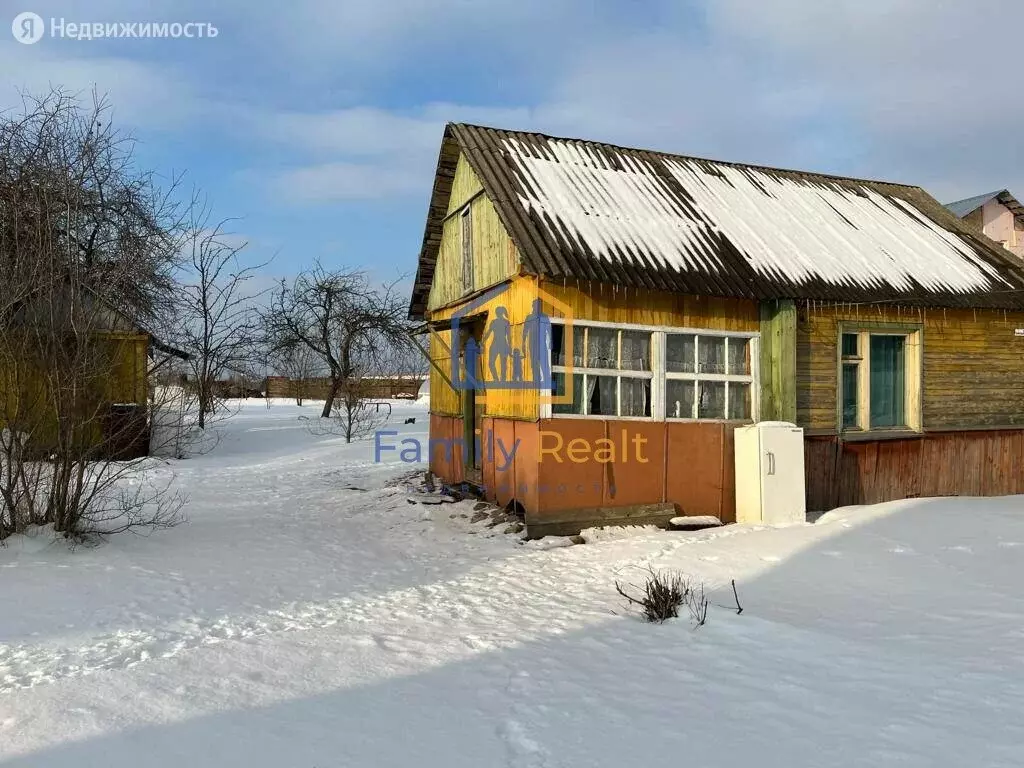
<point x="167" y="349"/>
<point x="591" y="211"/>
<point x="962" y="208"/>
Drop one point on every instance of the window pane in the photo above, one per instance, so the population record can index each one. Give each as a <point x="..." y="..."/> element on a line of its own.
<point x="739" y="356"/>
<point x="739" y="400"/>
<point x="850" y="345"/>
<point x="602" y="348"/>
<point x="601" y="395"/>
<point x="559" y="339"/>
<point x="636" y="351"/>
<point x="679" y="399"/>
<point x="680" y="353"/>
<point x="887" y="392"/>
<point x="849" y="395"/>
<point x="635" y="397"/>
<point x="576" y="406"/>
<point x="712" y="400"/>
<point x="711" y="354"/>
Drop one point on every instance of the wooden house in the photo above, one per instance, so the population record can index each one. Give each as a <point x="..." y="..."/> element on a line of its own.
<point x="96" y="396"/>
<point x="682" y="297"/>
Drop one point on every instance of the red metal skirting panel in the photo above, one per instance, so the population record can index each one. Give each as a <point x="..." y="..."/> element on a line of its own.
<point x="638" y="474"/>
<point x="696" y="467"/>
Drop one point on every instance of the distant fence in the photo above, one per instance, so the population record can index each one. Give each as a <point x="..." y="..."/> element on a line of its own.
<point x="381" y="388"/>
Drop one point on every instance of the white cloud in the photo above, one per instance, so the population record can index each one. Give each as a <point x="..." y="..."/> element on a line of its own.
<point x="930" y="85"/>
<point x="347" y="181"/>
<point x="910" y="90"/>
<point x="141" y="95"/>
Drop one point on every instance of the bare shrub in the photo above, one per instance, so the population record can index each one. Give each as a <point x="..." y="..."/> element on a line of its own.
<point x="88" y="249"/>
<point x="664" y="593"/>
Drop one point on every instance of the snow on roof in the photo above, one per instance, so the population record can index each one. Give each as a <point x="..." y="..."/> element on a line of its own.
<point x="589" y="211"/>
<point x="780" y="226"/>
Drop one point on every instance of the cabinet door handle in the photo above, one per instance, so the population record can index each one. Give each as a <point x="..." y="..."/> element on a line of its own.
<point x="771" y="463"/>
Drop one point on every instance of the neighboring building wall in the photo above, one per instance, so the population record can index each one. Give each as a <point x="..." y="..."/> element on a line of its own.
<point x="999" y="224"/>
<point x="113" y="411"/>
<point x="318" y="388"/>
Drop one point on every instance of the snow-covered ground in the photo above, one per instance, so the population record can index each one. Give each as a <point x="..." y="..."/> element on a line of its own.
<point x="297" y="620"/>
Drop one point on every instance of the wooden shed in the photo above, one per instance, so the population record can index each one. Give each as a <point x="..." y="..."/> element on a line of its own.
<point x="601" y="319"/>
<point x="56" y="388"/>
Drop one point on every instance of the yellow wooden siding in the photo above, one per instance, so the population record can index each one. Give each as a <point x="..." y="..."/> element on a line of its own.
<point x="128" y="383"/>
<point x="591" y="301"/>
<point x="28" y="404"/>
<point x="517" y="301"/>
<point x="494" y="256"/>
<point x="443" y="398"/>
<point x="602" y="302"/>
<point x="465" y="185"/>
<point x="972" y="364"/>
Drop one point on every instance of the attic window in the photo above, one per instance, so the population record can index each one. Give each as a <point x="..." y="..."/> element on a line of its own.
<point x="467" y="249"/>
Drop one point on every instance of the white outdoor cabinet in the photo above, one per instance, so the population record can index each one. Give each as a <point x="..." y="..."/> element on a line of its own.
<point x="770" y="484"/>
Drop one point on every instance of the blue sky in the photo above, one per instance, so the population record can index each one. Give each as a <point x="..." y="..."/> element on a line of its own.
<point x="318" y="126"/>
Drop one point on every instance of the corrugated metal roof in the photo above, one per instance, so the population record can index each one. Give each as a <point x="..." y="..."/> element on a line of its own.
<point x="966" y="207"/>
<point x="590" y="211"/>
<point x="969" y="205"/>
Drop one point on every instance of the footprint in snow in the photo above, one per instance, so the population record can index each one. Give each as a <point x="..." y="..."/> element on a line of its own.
<point x="523" y="750"/>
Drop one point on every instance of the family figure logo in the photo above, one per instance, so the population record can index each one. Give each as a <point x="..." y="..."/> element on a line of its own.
<point x="511" y="366"/>
<point x="493" y="350"/>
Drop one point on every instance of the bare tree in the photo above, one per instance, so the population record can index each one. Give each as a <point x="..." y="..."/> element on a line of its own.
<point x="88" y="249"/>
<point x="298" y="363"/>
<point x="349" y="324"/>
<point x="218" y="324"/>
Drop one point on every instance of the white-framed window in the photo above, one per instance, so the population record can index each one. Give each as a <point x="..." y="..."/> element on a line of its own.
<point x="643" y="372"/>
<point x="612" y="371"/>
<point x="879" y="378"/>
<point x="709" y="376"/>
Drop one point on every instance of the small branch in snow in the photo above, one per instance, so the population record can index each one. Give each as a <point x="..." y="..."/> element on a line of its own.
<point x="736" y="597"/>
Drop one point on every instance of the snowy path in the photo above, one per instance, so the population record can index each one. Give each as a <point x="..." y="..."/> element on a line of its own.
<point x="295" y="623"/>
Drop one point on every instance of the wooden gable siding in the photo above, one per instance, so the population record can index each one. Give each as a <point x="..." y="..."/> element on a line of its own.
<point x="494" y="256"/>
<point x="972" y="365"/>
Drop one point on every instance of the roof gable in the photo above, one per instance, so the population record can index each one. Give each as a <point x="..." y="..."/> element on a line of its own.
<point x="584" y="210"/>
<point x="966" y="207"/>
